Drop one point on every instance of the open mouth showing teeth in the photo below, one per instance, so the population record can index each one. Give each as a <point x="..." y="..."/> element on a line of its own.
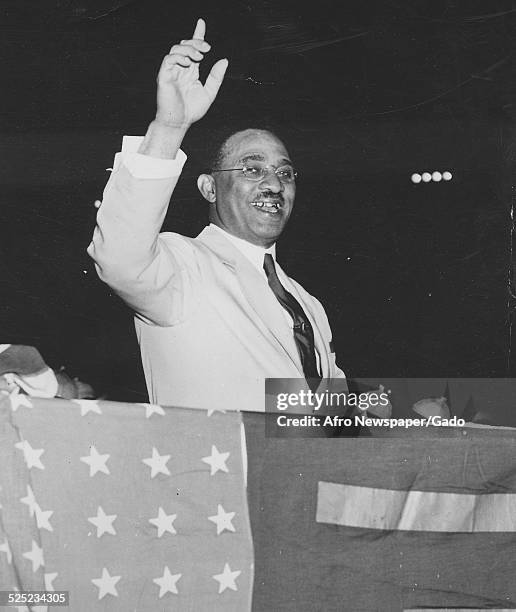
<point x="270" y="207"/>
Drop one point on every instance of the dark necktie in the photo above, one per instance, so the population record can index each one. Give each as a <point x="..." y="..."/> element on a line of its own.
<point x="303" y="332"/>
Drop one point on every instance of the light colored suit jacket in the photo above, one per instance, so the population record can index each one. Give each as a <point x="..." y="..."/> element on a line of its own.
<point x="209" y="327"/>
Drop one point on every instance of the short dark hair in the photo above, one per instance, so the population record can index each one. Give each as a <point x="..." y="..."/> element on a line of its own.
<point x="215" y="142"/>
<point x="221" y="153"/>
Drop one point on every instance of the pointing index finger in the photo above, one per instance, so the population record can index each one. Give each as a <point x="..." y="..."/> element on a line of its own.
<point x="200" y="29"/>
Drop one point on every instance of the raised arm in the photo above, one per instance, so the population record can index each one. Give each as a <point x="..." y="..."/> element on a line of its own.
<point x="146" y="271"/>
<point x="181" y="99"/>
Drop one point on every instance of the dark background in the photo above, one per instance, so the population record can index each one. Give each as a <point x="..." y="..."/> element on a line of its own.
<point x="416" y="279"/>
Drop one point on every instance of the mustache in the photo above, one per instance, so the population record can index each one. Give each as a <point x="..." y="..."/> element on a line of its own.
<point x="270" y="195"/>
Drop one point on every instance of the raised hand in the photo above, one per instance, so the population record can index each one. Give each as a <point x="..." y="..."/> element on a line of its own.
<point x="182" y="99"/>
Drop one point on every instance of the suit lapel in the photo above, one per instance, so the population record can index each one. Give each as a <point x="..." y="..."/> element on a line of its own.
<point x="256" y="291"/>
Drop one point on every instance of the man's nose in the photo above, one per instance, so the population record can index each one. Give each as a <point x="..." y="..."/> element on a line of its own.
<point x="272" y="182"/>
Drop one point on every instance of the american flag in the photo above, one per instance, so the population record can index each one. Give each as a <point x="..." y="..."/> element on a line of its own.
<point x="126" y="506"/>
<point x="427" y="521"/>
<point x="139" y="507"/>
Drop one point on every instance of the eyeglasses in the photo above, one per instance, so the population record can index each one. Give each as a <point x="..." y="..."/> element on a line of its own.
<point x="257" y="172"/>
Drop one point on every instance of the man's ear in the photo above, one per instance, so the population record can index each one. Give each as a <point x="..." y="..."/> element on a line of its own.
<point x="206" y="185"/>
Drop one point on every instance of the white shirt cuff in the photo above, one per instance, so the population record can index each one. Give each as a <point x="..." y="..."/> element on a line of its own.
<point x="144" y="166"/>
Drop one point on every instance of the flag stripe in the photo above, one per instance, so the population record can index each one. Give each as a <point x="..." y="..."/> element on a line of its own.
<point x="372" y="508"/>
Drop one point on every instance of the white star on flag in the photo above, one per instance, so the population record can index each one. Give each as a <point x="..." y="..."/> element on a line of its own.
<point x="29" y="500"/>
<point x="106" y="584"/>
<point x="157" y="463"/>
<point x="96" y="461"/>
<point x="212" y="410"/>
<point x="227" y="579"/>
<point x="35" y="556"/>
<point x="167" y="582"/>
<point x="103" y="522"/>
<point x="32" y="455"/>
<point x="49" y="579"/>
<point x="43" y="518"/>
<point x="19" y="399"/>
<point x="88" y="406"/>
<point x="5" y="548"/>
<point x="151" y="409"/>
<point x="216" y="461"/>
<point x="164" y="522"/>
<point x="223" y="520"/>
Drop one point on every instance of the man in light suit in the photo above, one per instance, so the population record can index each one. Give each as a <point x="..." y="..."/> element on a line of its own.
<point x="209" y="325"/>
